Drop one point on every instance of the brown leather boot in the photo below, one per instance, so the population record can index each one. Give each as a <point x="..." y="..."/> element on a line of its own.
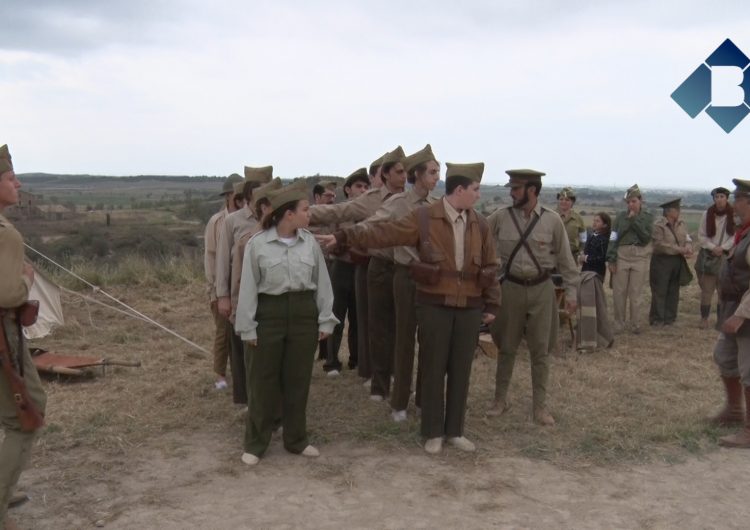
<point x="740" y="439"/>
<point x="731" y="414"/>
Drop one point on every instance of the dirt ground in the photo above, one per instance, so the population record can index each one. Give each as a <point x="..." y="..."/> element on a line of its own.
<point x="158" y="448"/>
<point x="360" y="486"/>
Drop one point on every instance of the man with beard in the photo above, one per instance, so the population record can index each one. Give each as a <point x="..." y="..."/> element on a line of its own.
<point x="531" y="241"/>
<point x="716" y="238"/>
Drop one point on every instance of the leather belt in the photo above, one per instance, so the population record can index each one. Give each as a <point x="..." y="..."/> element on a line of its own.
<point x="528" y="282"/>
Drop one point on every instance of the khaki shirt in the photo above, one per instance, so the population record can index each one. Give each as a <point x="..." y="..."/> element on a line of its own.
<point x="352" y="211"/>
<point x="576" y="230"/>
<point x="210" y="241"/>
<point x="665" y="242"/>
<point x="14" y="286"/>
<point x="236" y="225"/>
<point x="548" y="242"/>
<point x="270" y="266"/>
<point x="458" y="224"/>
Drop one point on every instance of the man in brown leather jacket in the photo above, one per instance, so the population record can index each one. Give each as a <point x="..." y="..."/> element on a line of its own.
<point x="457" y="289"/>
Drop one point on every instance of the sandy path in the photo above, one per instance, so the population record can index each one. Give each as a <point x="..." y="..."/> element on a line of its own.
<point x="199" y="483"/>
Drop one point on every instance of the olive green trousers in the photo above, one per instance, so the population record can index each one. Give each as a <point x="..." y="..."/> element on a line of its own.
<point x="279" y="369"/>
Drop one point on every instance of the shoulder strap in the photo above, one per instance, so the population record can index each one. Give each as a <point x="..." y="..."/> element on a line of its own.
<point x="522" y="242"/>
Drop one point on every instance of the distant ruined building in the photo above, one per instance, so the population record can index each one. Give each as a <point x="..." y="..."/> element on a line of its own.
<point x="30" y="207"/>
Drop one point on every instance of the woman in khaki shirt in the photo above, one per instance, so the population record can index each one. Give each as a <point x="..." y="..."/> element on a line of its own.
<point x="285" y="306"/>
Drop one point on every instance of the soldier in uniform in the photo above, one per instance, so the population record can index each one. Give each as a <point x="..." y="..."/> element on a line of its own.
<point x="716" y="238"/>
<point x="423" y="173"/>
<point x="574" y="225"/>
<point x="628" y="257"/>
<point x="672" y="244"/>
<point x="285" y="307"/>
<point x="378" y="317"/>
<point x="343" y="273"/>
<point x="456" y="290"/>
<point x="16" y="278"/>
<point x="376" y="173"/>
<point x="235" y="226"/>
<point x="531" y="241"/>
<point x="732" y="350"/>
<point x="211" y="235"/>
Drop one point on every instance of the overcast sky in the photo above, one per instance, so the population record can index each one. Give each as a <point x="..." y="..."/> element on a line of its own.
<point x="579" y="89"/>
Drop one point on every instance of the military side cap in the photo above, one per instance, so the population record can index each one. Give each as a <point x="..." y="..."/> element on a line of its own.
<point x="259" y="174"/>
<point x="328" y="183"/>
<point x="289" y="193"/>
<point x="420" y="157"/>
<point x="567" y="193"/>
<point x="470" y="171"/>
<point x="519" y="177"/>
<point x="238" y="186"/>
<point x="742" y="187"/>
<point x="674" y="203"/>
<point x="228" y="186"/>
<point x="376" y="163"/>
<point x="397" y="155"/>
<point x="357" y="174"/>
<point x="6" y="163"/>
<point x="263" y="191"/>
<point x="634" y="192"/>
<point x="720" y="189"/>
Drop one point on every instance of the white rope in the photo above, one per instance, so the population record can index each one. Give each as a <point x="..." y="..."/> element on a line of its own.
<point x="134" y="313"/>
<point x="87" y="298"/>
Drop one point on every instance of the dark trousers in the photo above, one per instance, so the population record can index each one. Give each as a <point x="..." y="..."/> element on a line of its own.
<point x="237" y="365"/>
<point x="364" y="366"/>
<point x="280" y="369"/>
<point x="448" y="338"/>
<point x="382" y="324"/>
<point x="344" y="302"/>
<point x="404" y="290"/>
<point x="665" y="288"/>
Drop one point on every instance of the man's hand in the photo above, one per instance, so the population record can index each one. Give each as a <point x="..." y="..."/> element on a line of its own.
<point x="612" y="268"/>
<point x="571" y="306"/>
<point x="717" y="251"/>
<point x="322" y="335"/>
<point x="28" y="271"/>
<point x="327" y="241"/>
<point x="488" y="318"/>
<point x="732" y="324"/>
<point x="225" y="306"/>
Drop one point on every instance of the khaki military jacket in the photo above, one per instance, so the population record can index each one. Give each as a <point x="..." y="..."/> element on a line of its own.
<point x="548" y="242"/>
<point x="454" y="288"/>
<point x="236" y="225"/>
<point x="14" y="286"/>
<point x="574" y="227"/>
<point x="210" y="241"/>
<point x="352" y="211"/>
<point x="667" y="242"/>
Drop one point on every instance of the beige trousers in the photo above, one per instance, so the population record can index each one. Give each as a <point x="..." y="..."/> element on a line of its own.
<point x="628" y="281"/>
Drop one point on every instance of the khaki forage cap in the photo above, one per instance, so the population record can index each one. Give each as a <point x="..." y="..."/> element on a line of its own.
<point x="397" y="155"/>
<point x="228" y="186"/>
<point x="634" y="192"/>
<point x="295" y="191"/>
<point x="259" y="174"/>
<point x="6" y="163"/>
<point x="263" y="191"/>
<point x="567" y="192"/>
<point x="742" y="187"/>
<point x="361" y="172"/>
<point x="377" y="163"/>
<point x="674" y="203"/>
<point x="470" y="171"/>
<point x="420" y="157"/>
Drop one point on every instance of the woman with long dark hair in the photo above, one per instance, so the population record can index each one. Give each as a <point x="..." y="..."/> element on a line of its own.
<point x="285" y="306"/>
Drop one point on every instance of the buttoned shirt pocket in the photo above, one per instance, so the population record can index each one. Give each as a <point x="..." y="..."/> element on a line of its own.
<point x="302" y="271"/>
<point x="274" y="270"/>
<point x="541" y="243"/>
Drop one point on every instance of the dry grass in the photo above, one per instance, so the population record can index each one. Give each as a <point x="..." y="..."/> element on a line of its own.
<point x="642" y="400"/>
